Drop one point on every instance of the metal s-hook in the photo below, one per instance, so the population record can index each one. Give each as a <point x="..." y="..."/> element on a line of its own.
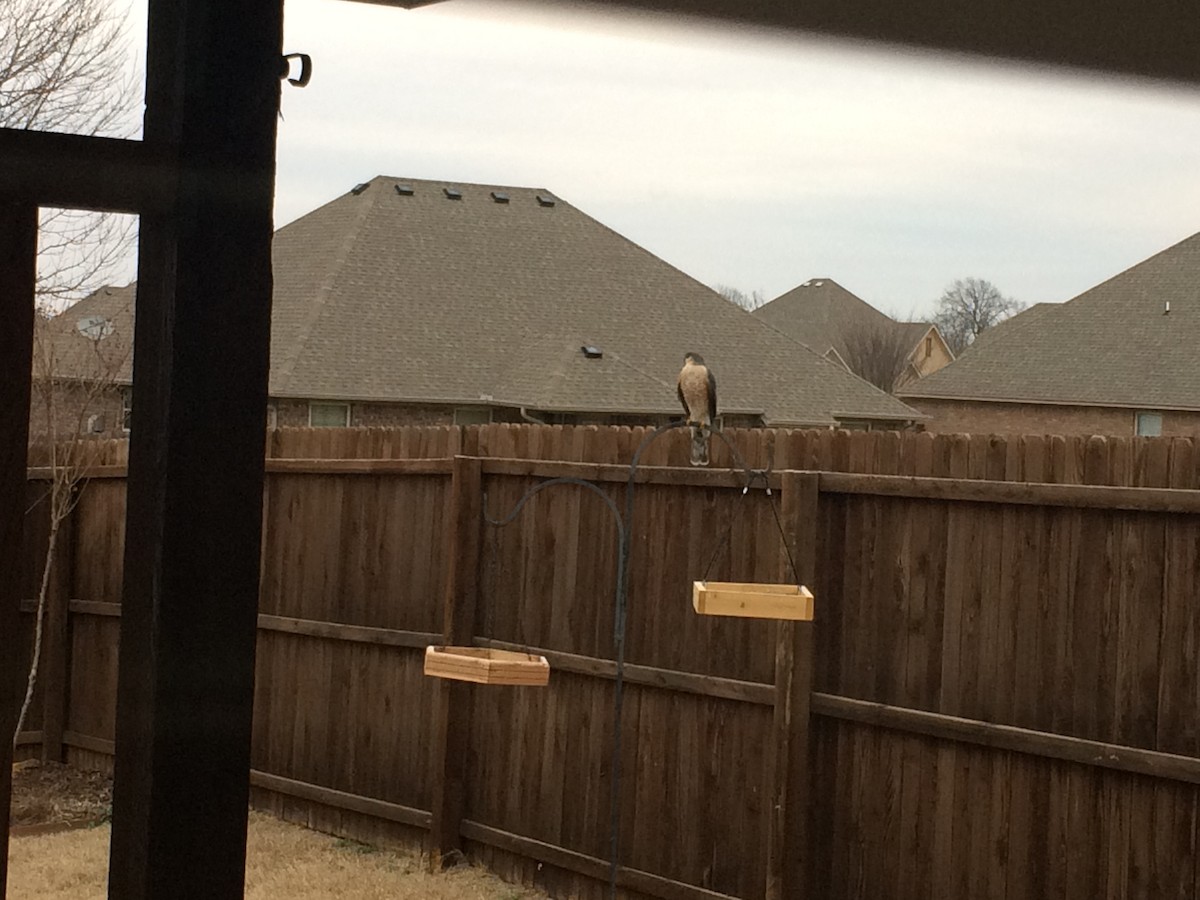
<point x="285" y="68"/>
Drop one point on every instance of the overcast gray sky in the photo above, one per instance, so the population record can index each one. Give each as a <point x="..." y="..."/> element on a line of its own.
<point x="749" y="159"/>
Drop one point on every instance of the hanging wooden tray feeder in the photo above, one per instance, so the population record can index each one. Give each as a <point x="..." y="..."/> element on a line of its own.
<point x="484" y="665"/>
<point x="753" y="601"/>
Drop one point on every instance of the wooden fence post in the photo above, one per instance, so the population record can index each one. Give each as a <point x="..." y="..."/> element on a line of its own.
<point x="56" y="641"/>
<point x="452" y="710"/>
<point x="788" y="856"/>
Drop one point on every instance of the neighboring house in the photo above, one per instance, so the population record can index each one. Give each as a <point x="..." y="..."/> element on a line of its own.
<point x="841" y="326"/>
<point x="83" y="368"/>
<point x="421" y="302"/>
<point x="1120" y="359"/>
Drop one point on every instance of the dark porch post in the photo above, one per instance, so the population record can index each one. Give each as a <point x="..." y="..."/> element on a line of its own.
<point x="196" y="461"/>
<point x="18" y="249"/>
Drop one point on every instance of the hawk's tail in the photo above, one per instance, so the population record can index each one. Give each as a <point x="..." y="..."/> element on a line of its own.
<point x="699" y="446"/>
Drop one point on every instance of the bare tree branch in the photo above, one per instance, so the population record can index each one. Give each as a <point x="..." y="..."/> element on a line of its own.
<point x="968" y="308"/>
<point x="79" y="251"/>
<point x="74" y="375"/>
<point x="748" y="302"/>
<point x="65" y="65"/>
<point x="876" y="351"/>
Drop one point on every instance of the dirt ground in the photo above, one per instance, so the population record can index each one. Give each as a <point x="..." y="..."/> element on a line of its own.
<point x="282" y="860"/>
<point x="49" y="793"/>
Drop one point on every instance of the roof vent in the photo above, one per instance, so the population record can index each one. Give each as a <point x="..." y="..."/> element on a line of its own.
<point x="452" y="193"/>
<point x="818" y="283"/>
<point x="500" y="196"/>
<point x="544" y="200"/>
<point x="359" y="188"/>
<point x="1167" y="308"/>
<point x="592" y="352"/>
<point x="404" y="190"/>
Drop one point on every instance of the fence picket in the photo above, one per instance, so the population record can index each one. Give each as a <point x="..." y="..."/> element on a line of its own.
<point x="999" y="607"/>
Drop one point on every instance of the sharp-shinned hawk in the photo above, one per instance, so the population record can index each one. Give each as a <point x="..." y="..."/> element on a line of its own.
<point x="698" y="393"/>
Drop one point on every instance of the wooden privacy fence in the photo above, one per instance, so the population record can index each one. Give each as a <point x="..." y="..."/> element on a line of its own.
<point x="1004" y="686"/>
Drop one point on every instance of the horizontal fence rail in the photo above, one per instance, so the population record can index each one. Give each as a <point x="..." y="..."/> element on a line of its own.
<point x="1003" y="667"/>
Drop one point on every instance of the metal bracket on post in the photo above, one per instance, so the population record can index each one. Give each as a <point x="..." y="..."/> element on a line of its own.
<point x="285" y="69"/>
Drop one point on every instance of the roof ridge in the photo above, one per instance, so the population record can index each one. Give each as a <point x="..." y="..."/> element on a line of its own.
<point x="1149" y="259"/>
<point x="1117" y="344"/>
<point x="826" y="324"/>
<point x="747" y="313"/>
<point x="648" y="252"/>
<point x="790" y="337"/>
<point x="513" y="290"/>
<point x="845" y="370"/>
<point x="450" y="182"/>
<point x="316" y="302"/>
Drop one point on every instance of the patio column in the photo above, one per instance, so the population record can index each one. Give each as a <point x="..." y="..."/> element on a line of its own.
<point x="18" y="251"/>
<point x="202" y="348"/>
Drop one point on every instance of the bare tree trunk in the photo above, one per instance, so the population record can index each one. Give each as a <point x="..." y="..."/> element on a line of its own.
<point x="65" y="65"/>
<point x="43" y="592"/>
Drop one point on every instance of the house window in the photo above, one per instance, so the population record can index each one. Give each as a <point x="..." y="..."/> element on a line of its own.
<point x="329" y="415"/>
<point x="1149" y="424"/>
<point x="473" y="415"/>
<point x="126" y="409"/>
<point x="272" y="416"/>
<point x="928" y="347"/>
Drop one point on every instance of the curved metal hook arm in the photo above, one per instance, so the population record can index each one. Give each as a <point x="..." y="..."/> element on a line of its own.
<point x="618" y="640"/>
<point x="551" y="482"/>
<point x="624" y="533"/>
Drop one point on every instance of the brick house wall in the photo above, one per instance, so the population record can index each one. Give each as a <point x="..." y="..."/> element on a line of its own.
<point x="108" y="408"/>
<point x="291" y="413"/>
<point x="294" y="414"/>
<point x="73" y="410"/>
<point x="72" y="417"/>
<point x="979" y="417"/>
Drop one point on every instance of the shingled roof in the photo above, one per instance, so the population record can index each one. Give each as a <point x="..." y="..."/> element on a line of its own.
<point x="396" y="291"/>
<point x="820" y="313"/>
<point x="1113" y="345"/>
<point x="91" y="340"/>
<point x="430" y="292"/>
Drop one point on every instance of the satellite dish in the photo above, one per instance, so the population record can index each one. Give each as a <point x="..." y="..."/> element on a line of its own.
<point x="95" y="327"/>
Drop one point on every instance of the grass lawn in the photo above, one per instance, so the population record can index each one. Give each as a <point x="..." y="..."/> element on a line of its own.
<point x="282" y="861"/>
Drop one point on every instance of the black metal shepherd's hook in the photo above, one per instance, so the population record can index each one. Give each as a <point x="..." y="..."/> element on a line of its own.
<point x="624" y="536"/>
